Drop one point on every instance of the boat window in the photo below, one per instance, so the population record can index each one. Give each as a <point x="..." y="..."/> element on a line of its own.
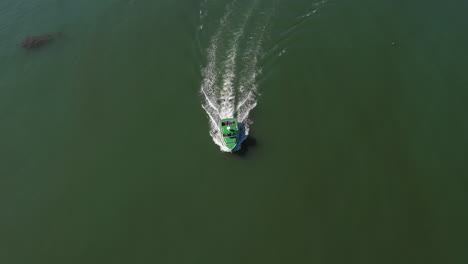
<point x="228" y="123"/>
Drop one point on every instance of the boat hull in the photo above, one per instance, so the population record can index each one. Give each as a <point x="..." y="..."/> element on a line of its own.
<point x="229" y="129"/>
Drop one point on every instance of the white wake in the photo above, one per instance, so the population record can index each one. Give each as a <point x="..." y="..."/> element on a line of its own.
<point x="229" y="87"/>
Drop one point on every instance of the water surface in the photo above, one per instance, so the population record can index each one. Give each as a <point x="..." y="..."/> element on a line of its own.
<point x="356" y="150"/>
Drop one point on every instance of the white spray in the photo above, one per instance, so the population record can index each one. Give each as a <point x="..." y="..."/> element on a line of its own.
<point x="229" y="81"/>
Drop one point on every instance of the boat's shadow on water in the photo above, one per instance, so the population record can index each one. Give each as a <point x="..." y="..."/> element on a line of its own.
<point x="247" y="145"/>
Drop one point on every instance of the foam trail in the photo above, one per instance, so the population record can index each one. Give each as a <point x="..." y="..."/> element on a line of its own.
<point x="228" y="88"/>
<point x="248" y="86"/>
<point x="210" y="76"/>
<point x="227" y="91"/>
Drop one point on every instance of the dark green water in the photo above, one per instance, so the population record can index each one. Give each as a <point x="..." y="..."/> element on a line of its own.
<point x="357" y="152"/>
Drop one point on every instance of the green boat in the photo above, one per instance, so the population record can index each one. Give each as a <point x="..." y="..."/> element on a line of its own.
<point x="229" y="132"/>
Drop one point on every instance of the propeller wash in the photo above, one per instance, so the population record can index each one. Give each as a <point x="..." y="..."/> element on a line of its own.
<point x="229" y="85"/>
